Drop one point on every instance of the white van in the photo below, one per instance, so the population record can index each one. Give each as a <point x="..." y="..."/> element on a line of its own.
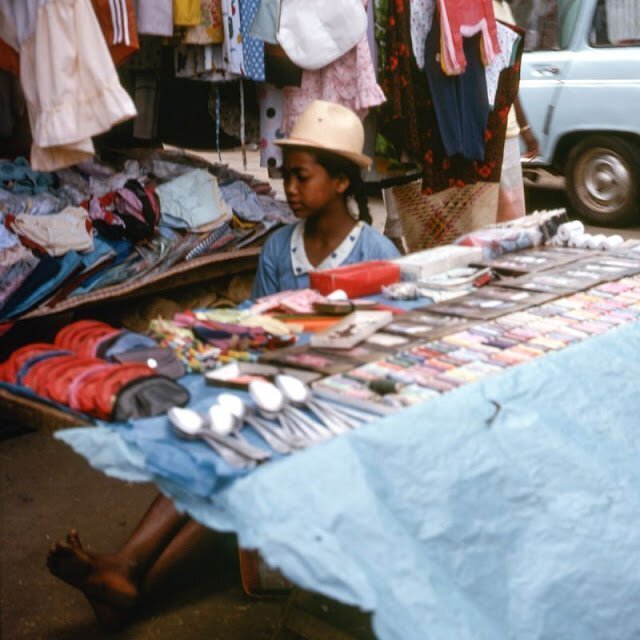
<point x="580" y="89"/>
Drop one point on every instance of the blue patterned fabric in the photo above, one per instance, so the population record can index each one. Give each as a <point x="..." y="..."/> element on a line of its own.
<point x="253" y="49"/>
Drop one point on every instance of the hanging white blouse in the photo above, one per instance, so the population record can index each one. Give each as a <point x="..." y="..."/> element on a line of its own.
<point x="68" y="78"/>
<point x="421" y="20"/>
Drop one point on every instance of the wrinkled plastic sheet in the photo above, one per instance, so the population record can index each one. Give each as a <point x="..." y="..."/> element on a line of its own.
<point x="508" y="508"/>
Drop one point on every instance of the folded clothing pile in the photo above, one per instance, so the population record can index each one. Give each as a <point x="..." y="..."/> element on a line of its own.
<point x="94" y="368"/>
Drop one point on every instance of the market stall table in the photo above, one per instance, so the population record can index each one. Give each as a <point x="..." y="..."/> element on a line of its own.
<point x="504" y="508"/>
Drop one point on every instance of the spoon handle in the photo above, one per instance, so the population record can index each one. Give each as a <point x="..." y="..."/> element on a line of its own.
<point x="240" y="447"/>
<point x="313" y="430"/>
<point x="334" y="422"/>
<point x="229" y="455"/>
<point x="275" y="441"/>
<point x="360" y="416"/>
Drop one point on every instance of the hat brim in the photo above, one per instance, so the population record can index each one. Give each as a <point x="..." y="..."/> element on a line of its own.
<point x="360" y="159"/>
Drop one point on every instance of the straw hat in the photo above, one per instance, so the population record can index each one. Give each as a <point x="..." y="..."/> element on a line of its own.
<point x="331" y="127"/>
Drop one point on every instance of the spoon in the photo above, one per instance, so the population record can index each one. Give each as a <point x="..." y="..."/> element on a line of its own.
<point x="325" y="405"/>
<point x="270" y="402"/>
<point x="299" y="394"/>
<point x="239" y="410"/>
<point x="189" y="425"/>
<point x="224" y="424"/>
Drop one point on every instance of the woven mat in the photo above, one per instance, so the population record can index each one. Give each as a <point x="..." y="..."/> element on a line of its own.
<point x="430" y="221"/>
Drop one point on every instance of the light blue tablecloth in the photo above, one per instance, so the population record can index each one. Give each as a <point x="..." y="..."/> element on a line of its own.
<point x="509" y="508"/>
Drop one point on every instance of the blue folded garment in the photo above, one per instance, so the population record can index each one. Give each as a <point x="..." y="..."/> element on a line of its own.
<point x="43" y="281"/>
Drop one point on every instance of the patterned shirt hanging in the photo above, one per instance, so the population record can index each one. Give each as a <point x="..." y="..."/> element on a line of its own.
<point x="253" y="49"/>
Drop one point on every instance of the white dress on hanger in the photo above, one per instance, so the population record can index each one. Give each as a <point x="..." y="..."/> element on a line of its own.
<point x="68" y="78"/>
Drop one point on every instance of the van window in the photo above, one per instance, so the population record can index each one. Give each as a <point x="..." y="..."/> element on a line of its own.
<point x="616" y="24"/>
<point x="549" y="24"/>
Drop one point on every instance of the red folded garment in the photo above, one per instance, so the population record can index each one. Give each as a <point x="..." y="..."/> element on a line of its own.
<point x="113" y="381"/>
<point x="79" y="389"/>
<point x="37" y="376"/>
<point x="60" y="377"/>
<point x="20" y="356"/>
<point x="67" y="335"/>
<point x="84" y="342"/>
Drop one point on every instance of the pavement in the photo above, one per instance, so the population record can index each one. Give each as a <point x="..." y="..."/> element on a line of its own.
<point x="46" y="489"/>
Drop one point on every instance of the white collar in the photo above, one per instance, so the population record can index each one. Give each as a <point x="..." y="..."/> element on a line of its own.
<point x="299" y="261"/>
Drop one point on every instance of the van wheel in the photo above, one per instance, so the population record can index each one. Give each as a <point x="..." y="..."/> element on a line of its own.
<point x="603" y="180"/>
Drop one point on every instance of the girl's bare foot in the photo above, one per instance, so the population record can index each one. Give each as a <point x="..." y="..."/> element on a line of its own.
<point x="103" y="579"/>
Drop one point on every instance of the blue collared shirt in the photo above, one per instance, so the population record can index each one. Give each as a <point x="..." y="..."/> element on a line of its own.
<point x="276" y="265"/>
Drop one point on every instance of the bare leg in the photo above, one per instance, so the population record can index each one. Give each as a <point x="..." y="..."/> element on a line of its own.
<point x="113" y="583"/>
<point x="179" y="557"/>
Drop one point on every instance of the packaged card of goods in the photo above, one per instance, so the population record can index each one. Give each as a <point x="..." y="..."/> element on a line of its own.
<point x="419" y="266"/>
<point x="383" y="341"/>
<point x="547" y="281"/>
<point x="304" y="357"/>
<point x="362" y="279"/>
<point x="422" y="326"/>
<point x="531" y="260"/>
<point x="475" y="306"/>
<point x="611" y="267"/>
<point x="377" y="396"/>
<point x="238" y="375"/>
<point x="351" y="330"/>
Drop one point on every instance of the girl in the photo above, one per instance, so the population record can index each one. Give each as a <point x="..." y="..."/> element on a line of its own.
<point x="322" y="164"/>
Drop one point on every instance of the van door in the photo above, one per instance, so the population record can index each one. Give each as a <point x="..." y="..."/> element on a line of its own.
<point x="546" y="63"/>
<point x="602" y="90"/>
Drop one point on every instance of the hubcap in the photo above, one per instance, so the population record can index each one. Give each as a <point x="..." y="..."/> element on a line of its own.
<point x="603" y="180"/>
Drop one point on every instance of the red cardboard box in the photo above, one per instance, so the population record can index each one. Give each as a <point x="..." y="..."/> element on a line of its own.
<point x="363" y="279"/>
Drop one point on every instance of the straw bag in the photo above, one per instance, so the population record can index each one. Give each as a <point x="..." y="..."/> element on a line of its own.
<point x="430" y="221"/>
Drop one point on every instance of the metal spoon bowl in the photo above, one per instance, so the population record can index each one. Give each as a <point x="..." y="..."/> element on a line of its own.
<point x="277" y="440"/>
<point x="190" y="425"/>
<point x="271" y="404"/>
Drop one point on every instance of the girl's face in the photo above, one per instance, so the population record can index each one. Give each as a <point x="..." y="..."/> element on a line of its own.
<point x="309" y="188"/>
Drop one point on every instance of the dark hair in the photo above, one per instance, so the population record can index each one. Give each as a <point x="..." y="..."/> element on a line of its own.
<point x="336" y="166"/>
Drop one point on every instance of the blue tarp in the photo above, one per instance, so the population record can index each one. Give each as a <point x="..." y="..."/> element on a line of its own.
<point x="508" y="508"/>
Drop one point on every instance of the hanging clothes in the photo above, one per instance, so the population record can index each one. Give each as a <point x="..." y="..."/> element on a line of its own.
<point x="9" y="60"/>
<point x="409" y="118"/>
<point x="232" y="46"/>
<point x="70" y="83"/>
<point x="402" y="122"/>
<point x="441" y="171"/>
<point x="460" y="102"/>
<point x="349" y="81"/>
<point x="186" y="13"/>
<point x="422" y="12"/>
<point x="252" y="48"/>
<point x="117" y="20"/>
<point x="154" y="17"/>
<point x="508" y="39"/>
<point x="461" y="19"/>
<point x="210" y="30"/>
<point x="271" y="101"/>
<point x="265" y="22"/>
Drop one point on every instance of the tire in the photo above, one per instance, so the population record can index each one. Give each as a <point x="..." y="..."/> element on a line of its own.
<point x="603" y="180"/>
